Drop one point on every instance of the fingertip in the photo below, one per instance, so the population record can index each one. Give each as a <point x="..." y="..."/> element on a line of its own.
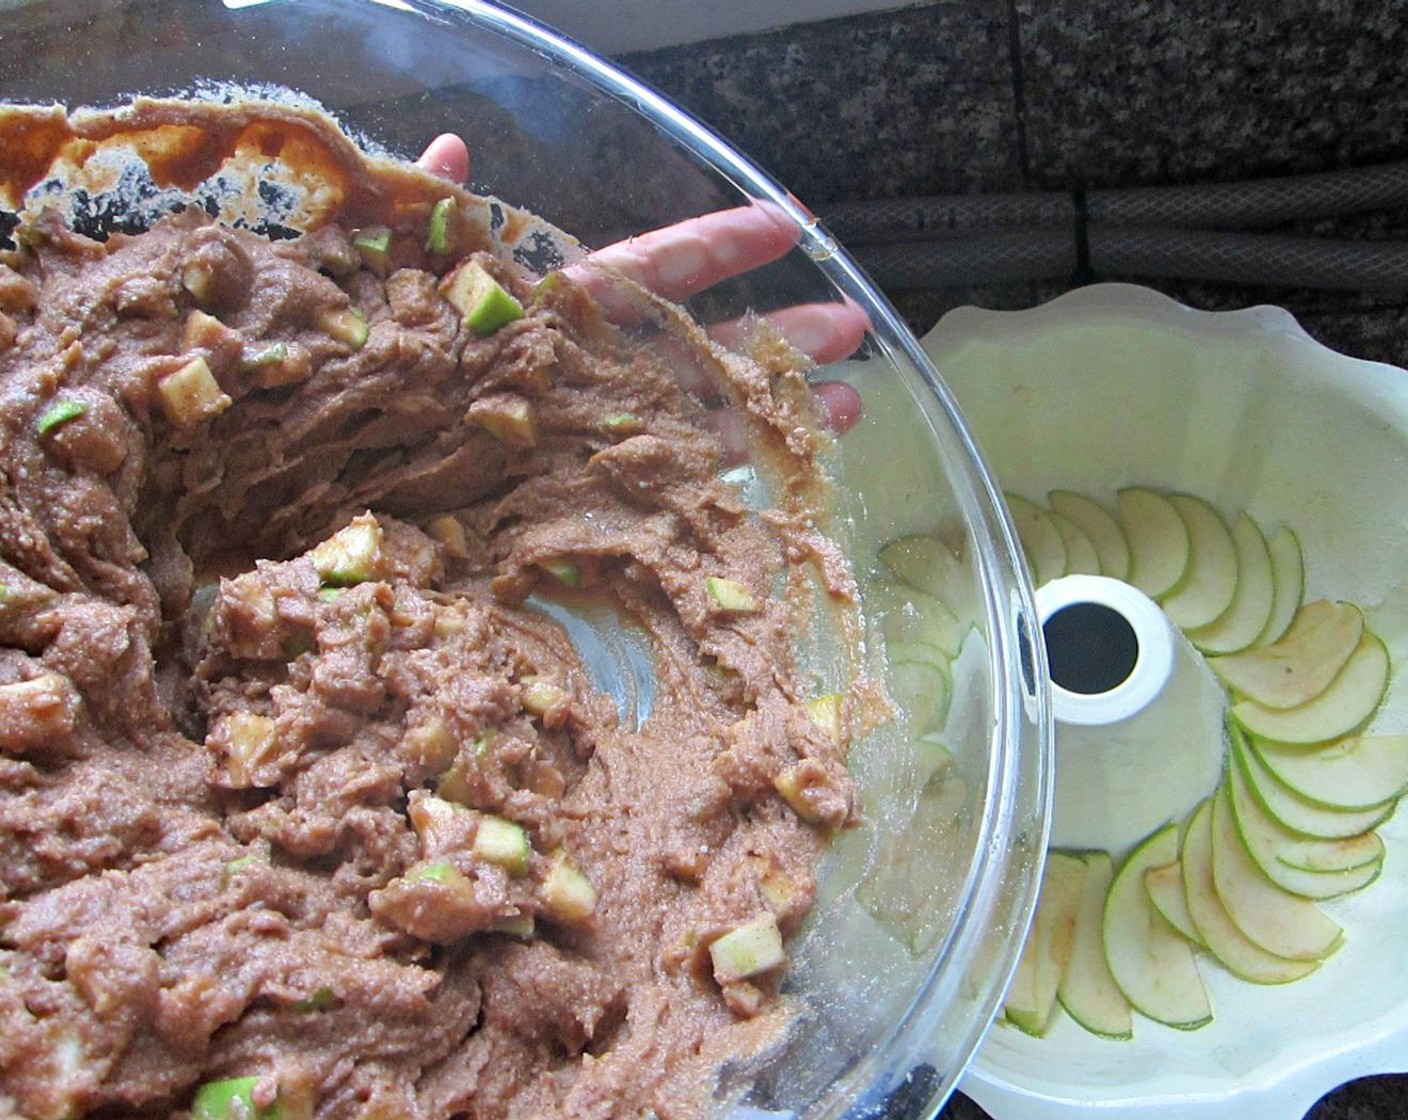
<point x="842" y="405"/>
<point x="447" y="156"/>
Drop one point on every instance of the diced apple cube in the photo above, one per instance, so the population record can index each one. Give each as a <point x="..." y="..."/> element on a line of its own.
<point x="437" y="236"/>
<point x="748" y="950"/>
<point x="482" y="301"/>
<point x="36" y="713"/>
<point x="730" y="595"/>
<point x="544" y="699"/>
<point x="352" y="555"/>
<point x="250" y="741"/>
<point x="346" y="324"/>
<point x="58" y="414"/>
<point x="508" y="418"/>
<point x="373" y="245"/>
<point x="825" y="711"/>
<point x="439" y="823"/>
<point x="566" y="572"/>
<point x="449" y="532"/>
<point x="191" y="394"/>
<point x="565" y="893"/>
<point x="276" y="364"/>
<point x="431" y="744"/>
<point x="504" y="843"/>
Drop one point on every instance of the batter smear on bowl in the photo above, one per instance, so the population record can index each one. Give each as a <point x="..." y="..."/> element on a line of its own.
<point x="304" y="810"/>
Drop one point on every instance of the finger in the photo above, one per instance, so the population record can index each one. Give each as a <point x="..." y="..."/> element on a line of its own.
<point x="827" y="332"/>
<point x="841" y="404"/>
<point x="446" y="156"/>
<point x="683" y="259"/>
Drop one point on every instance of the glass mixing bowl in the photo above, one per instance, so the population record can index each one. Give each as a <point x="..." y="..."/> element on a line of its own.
<point x="923" y="907"/>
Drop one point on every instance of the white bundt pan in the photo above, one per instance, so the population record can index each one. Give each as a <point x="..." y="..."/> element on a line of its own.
<point x="1115" y="385"/>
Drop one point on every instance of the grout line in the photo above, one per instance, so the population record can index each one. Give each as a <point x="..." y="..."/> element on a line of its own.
<point x="1019" y="100"/>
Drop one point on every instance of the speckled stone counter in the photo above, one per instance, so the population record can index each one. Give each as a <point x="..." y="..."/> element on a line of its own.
<point x="990" y="97"/>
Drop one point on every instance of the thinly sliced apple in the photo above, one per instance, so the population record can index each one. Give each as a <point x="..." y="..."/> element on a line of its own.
<point x="1244" y="620"/>
<point x="924" y="562"/>
<point x="1224" y="940"/>
<point x="1288" y="583"/>
<point x="1081" y="557"/>
<point x="1029" y="1004"/>
<point x="1355" y="773"/>
<point x="1099" y="526"/>
<point x="1046" y="551"/>
<point x="1150" y="961"/>
<point x="924" y="688"/>
<point x="1087" y="990"/>
<point x="907" y="614"/>
<point x="1206" y="591"/>
<point x="1340" y="710"/>
<point x="1159" y="547"/>
<point x="1281" y="923"/>
<point x="1165" y="887"/>
<point x="1297" y="814"/>
<point x="1302" y="664"/>
<point x="1349" y="865"/>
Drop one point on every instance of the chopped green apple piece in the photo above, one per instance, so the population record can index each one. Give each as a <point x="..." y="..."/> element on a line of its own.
<point x="232" y="1099"/>
<point x="1046" y="552"/>
<point x="543" y="698"/>
<point x="730" y="595"/>
<point x="1208" y="586"/>
<point x="437" y="234"/>
<point x="1081" y="557"/>
<point x="1340" y="710"/>
<point x="37" y="712"/>
<point x="346" y="324"/>
<point x="251" y="740"/>
<point x="1288" y="583"/>
<point x="1087" y="990"/>
<point x="373" y="245"/>
<point x="1302" y="663"/>
<point x="1029" y="1003"/>
<point x="748" y="950"/>
<point x="352" y="555"/>
<point x="58" y="414"/>
<point x="278" y="364"/>
<point x="566" y="894"/>
<point x="622" y="423"/>
<point x="502" y="842"/>
<point x="1342" y="866"/>
<point x="484" y="304"/>
<point x="1244" y="620"/>
<point x="1216" y="929"/>
<point x="438" y="871"/>
<point x="1355" y="773"/>
<point x="1297" y="814"/>
<point x="1102" y="530"/>
<point x="508" y="418"/>
<point x="1281" y="923"/>
<point x="1165" y="887"/>
<point x="566" y="572"/>
<point x="827" y="711"/>
<point x="1151" y="962"/>
<point x="191" y="394"/>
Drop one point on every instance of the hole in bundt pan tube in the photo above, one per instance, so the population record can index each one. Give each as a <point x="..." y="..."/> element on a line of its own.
<point x="1090" y="648"/>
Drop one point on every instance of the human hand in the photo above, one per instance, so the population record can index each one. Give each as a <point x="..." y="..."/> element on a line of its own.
<point x="684" y="259"/>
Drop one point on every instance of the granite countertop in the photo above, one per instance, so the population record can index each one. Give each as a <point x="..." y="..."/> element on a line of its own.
<point x="992" y="97"/>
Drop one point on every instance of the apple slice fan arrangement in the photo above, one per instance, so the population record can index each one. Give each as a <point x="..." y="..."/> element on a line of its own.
<point x="1159" y="598"/>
